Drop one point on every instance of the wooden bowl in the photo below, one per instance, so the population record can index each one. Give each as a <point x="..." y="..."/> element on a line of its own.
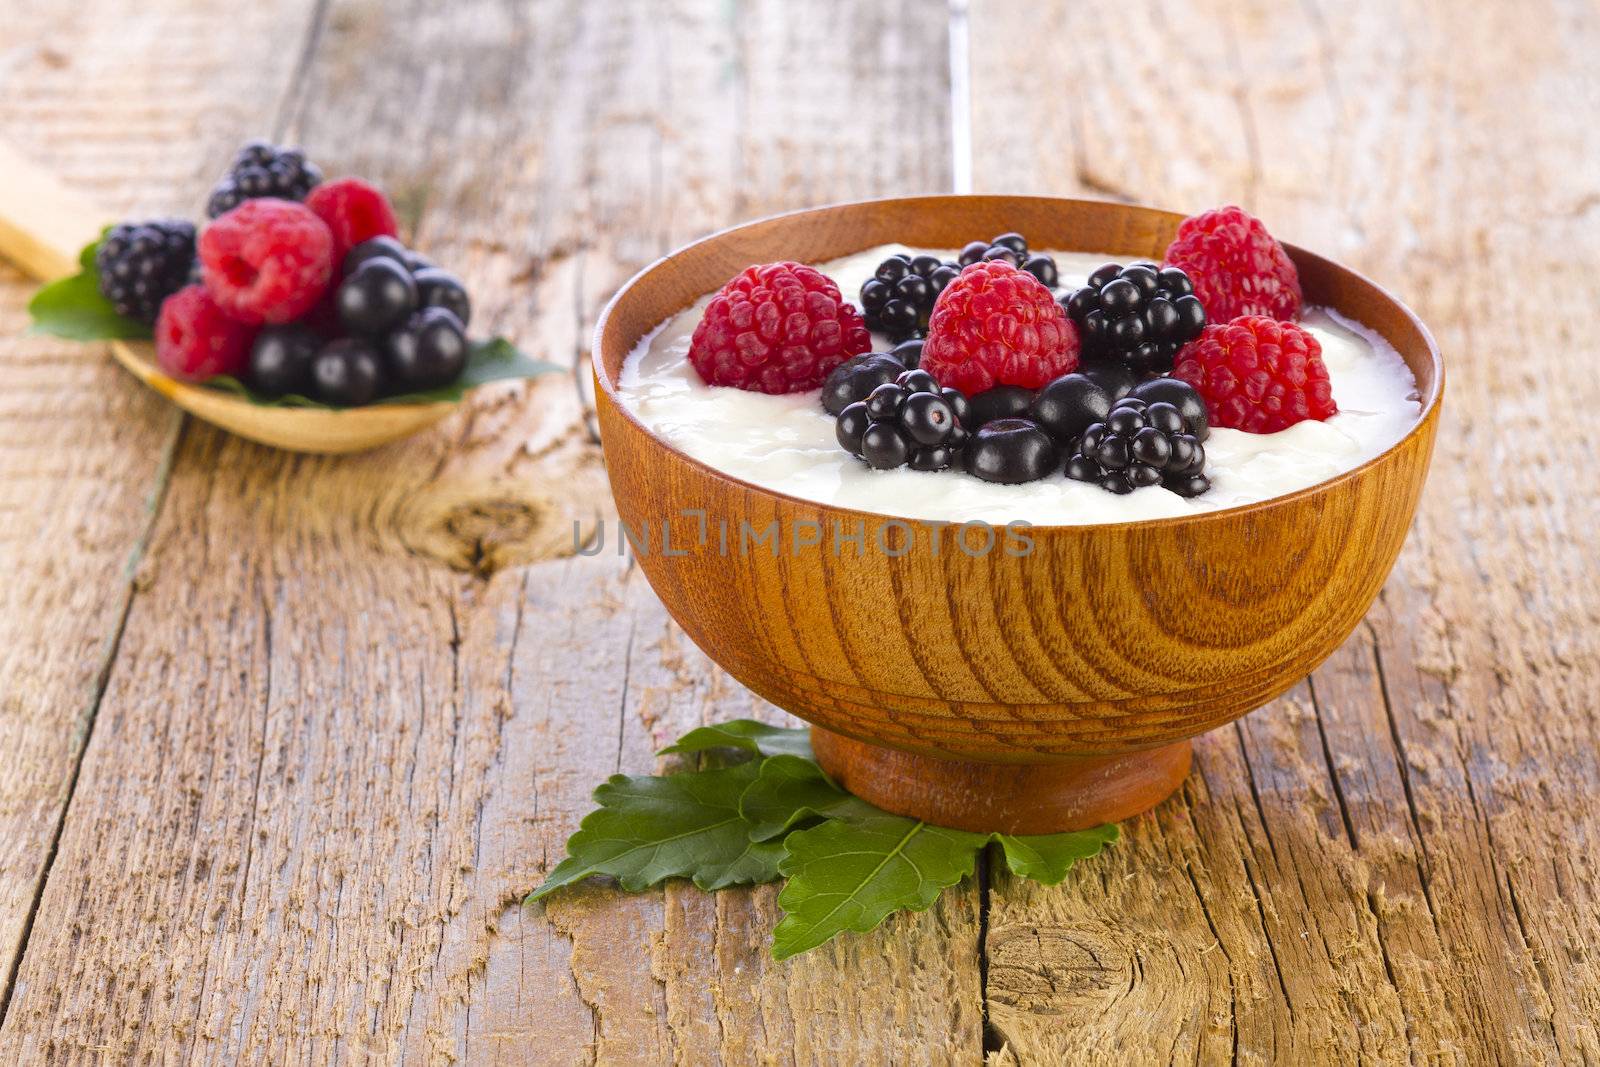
<point x="1029" y="694"/>
<point x="43" y="225"/>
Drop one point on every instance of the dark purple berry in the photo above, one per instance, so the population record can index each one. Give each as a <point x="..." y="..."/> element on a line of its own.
<point x="1010" y="451"/>
<point x="429" y="351"/>
<point x="440" y="289"/>
<point x="346" y="373"/>
<point x="883" y="446"/>
<point x="280" y="359"/>
<point x="852" y="424"/>
<point x="376" y="298"/>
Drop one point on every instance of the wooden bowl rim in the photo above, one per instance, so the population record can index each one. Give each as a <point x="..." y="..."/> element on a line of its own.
<point x="1429" y="409"/>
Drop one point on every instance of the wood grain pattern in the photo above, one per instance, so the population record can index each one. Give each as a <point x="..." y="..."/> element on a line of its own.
<point x="83" y="457"/>
<point x="1392" y="862"/>
<point x="362" y="702"/>
<point x="1005" y="656"/>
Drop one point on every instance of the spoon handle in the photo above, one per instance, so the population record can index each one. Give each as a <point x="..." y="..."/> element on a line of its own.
<point x="43" y="224"/>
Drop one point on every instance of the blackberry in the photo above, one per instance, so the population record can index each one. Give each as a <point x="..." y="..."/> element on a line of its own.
<point x="856" y="378"/>
<point x="909" y="420"/>
<point x="1013" y="249"/>
<point x="1140" y="315"/>
<point x="262" y="169"/>
<point x="899" y="296"/>
<point x="140" y="264"/>
<point x="1140" y="444"/>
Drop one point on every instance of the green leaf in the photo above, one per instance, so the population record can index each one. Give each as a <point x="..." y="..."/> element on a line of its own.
<point x="789" y="790"/>
<point x="849" y="875"/>
<point x="492" y="360"/>
<point x="682" y="825"/>
<point x="75" y="309"/>
<point x="747" y="735"/>
<point x="1046" y="858"/>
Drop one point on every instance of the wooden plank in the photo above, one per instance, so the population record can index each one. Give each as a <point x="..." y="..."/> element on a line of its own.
<point x="1396" y="860"/>
<point x="361" y="702"/>
<point x="84" y="451"/>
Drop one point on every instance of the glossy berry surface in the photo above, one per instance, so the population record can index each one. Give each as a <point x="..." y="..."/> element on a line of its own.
<point x="440" y="289"/>
<point x="197" y="339"/>
<point x="280" y="359"/>
<point x="856" y="378"/>
<point x="1010" y="451"/>
<point x="1001" y="402"/>
<point x="346" y="373"/>
<point x="381" y="247"/>
<point x="378" y="297"/>
<point x="897" y="299"/>
<point x="1114" y="377"/>
<point x="1139" y="444"/>
<point x="1067" y="406"/>
<point x="428" y="351"/>
<point x="910" y="420"/>
<point x="1258" y="374"/>
<point x="262" y="169"/>
<point x="1180" y="395"/>
<point x="1136" y="315"/>
<point x="776" y="328"/>
<point x="355" y="211"/>
<point x="267" y="261"/>
<point x="997" y="325"/>
<point x="140" y="264"/>
<point x="1237" y="267"/>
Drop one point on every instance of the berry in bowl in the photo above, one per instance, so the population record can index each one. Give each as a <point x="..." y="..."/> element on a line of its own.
<point x="1009" y="519"/>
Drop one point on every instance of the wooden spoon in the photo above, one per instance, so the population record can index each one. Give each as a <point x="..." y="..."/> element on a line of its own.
<point x="44" y="225"/>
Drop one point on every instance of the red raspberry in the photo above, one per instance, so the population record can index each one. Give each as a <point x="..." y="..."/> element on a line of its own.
<point x="776" y="328"/>
<point x="997" y="325"/>
<point x="1237" y="267"/>
<point x="355" y="211"/>
<point x="267" y="260"/>
<point x="1257" y="374"/>
<point x="196" y="339"/>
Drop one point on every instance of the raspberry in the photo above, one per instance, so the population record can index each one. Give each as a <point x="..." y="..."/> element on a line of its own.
<point x="267" y="260"/>
<point x="140" y="264"/>
<point x="997" y="325"/>
<point x="354" y="210"/>
<point x="1238" y="267"/>
<point x="776" y="328"/>
<point x="196" y="339"/>
<point x="1257" y="374"/>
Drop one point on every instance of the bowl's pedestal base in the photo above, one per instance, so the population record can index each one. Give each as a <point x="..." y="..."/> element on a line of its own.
<point x="1015" y="798"/>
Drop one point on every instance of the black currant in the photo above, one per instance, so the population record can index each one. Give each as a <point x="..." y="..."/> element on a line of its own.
<point x="440" y="289"/>
<point x="883" y="446"/>
<point x="852" y="424"/>
<point x="280" y="359"/>
<point x="382" y="247"/>
<point x="346" y="372"/>
<point x="428" y="351"/>
<point x="376" y="298"/>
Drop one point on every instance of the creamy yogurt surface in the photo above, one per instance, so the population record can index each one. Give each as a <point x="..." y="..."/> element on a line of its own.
<point x="787" y="443"/>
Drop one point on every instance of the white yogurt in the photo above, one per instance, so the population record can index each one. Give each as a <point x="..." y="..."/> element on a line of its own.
<point x="787" y="443"/>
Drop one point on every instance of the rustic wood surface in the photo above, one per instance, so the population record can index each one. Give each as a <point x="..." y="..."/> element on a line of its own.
<point x="288" y="737"/>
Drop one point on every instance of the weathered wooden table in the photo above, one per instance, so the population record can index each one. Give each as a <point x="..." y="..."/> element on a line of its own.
<point x="286" y="739"/>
